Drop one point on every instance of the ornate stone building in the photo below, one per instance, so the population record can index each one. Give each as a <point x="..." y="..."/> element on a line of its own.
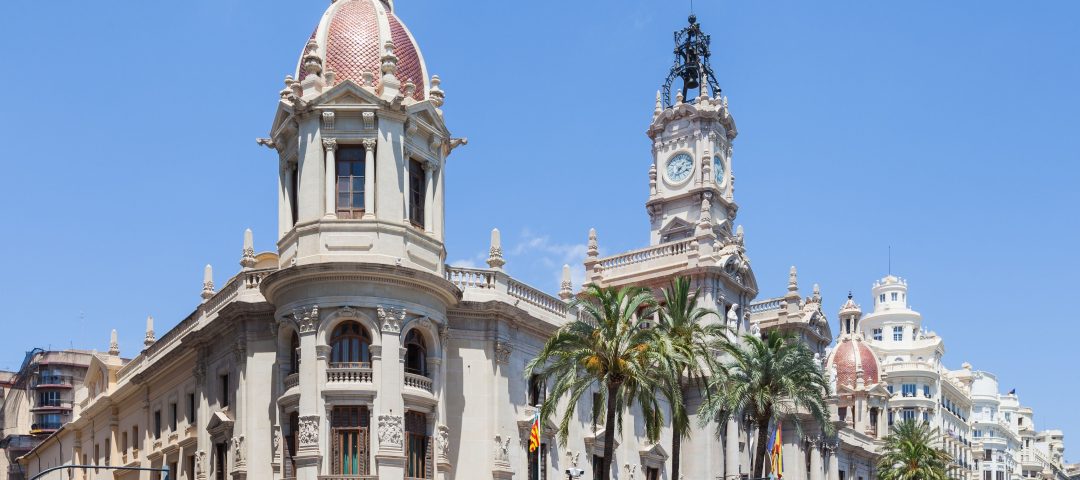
<point x="354" y="352"/>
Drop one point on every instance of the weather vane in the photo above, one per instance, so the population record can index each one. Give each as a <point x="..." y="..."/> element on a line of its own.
<point x="691" y="63"/>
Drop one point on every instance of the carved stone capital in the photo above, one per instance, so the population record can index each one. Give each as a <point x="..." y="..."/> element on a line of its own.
<point x="330" y="144"/>
<point x="369" y="143"/>
<point x="503" y="349"/>
<point x="307" y="319"/>
<point x="390" y="319"/>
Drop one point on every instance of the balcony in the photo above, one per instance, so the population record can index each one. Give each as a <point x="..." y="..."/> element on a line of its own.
<point x="292" y="380"/>
<point x="49" y="427"/>
<point x="348" y="477"/>
<point x="418" y="381"/>
<point x="349" y="372"/>
<point x="52" y="406"/>
<point x="53" y="381"/>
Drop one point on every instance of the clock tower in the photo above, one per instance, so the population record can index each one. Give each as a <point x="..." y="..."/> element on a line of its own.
<point x="691" y="185"/>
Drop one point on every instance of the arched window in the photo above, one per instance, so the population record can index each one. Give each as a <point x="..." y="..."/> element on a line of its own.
<point x="415" y="353"/>
<point x="294" y="354"/>
<point x="351" y="344"/>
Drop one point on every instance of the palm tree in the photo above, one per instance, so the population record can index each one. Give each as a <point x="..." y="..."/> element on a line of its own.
<point x="909" y="454"/>
<point x="691" y="347"/>
<point x="768" y="380"/>
<point x="605" y="347"/>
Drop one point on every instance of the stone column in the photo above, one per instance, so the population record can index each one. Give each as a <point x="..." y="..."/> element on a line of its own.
<point x="817" y="471"/>
<point x="388" y="419"/>
<point x="731" y="450"/>
<point x="369" y="178"/>
<point x="330" y="144"/>
<point x="794" y="457"/>
<point x="308" y="456"/>
<point x="834" y="462"/>
<point x="429" y="198"/>
<point x="284" y="199"/>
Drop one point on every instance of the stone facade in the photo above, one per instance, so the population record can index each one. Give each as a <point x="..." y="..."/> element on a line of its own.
<point x="354" y="352"/>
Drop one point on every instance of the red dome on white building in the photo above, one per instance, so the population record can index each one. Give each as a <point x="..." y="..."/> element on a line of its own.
<point x="352" y="38"/>
<point x="853" y="357"/>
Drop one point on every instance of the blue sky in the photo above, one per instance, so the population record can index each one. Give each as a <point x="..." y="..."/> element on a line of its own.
<point x="946" y="130"/>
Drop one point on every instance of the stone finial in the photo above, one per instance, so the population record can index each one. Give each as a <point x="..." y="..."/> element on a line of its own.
<point x="652" y="180"/>
<point x="593" y="249"/>
<point x="114" y="344"/>
<point x="705" y="215"/>
<point x="704" y="87"/>
<point x="312" y="63"/>
<point x="678" y="98"/>
<point x="329" y="76"/>
<point x="208" y="283"/>
<point x="495" y="254"/>
<point x="288" y="90"/>
<point x="409" y="88"/>
<point x="436" y="94"/>
<point x="248" y="259"/>
<point x="816" y="296"/>
<point x="566" y="288"/>
<point x="150" y="339"/>
<point x="793" y="280"/>
<point x="368" y="79"/>
<point x="659" y="106"/>
<point x="389" y="60"/>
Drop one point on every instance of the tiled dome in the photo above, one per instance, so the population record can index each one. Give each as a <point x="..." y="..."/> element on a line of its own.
<point x="850" y="355"/>
<point x="352" y="36"/>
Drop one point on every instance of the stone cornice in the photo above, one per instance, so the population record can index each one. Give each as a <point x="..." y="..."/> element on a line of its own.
<point x="361" y="272"/>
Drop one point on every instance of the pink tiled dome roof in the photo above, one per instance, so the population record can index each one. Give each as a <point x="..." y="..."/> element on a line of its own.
<point x="850" y="355"/>
<point x="352" y="36"/>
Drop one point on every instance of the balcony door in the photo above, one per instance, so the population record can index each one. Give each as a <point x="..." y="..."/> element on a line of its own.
<point x="350" y="426"/>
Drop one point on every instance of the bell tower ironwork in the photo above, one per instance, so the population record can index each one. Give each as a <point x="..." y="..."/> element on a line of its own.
<point x="691" y="63"/>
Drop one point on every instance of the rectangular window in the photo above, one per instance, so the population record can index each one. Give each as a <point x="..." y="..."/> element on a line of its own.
<point x="909" y="414"/>
<point x="926" y="391"/>
<point x="890" y="388"/>
<point x="172" y="471"/>
<point x="925" y="416"/>
<point x="174" y="414"/>
<point x="898" y="334"/>
<point x="191" y="408"/>
<point x="877" y="334"/>
<point x="225" y="391"/>
<point x="418" y="461"/>
<point x="417" y="193"/>
<point x="908" y="389"/>
<point x="135" y="437"/>
<point x="350" y="181"/>
<point x="987" y="475"/>
<point x="349" y="433"/>
<point x="108" y="452"/>
<point x="97" y="456"/>
<point x="881" y="298"/>
<point x="533" y="461"/>
<point x="988" y="454"/>
<point x="294" y="192"/>
<point x="597" y="466"/>
<point x="652" y="473"/>
<point x="536" y="391"/>
<point x="895" y="296"/>
<point x="1000" y="475"/>
<point x="49" y="399"/>
<point x="190" y="467"/>
<point x="843" y="475"/>
<point x="220" y="453"/>
<point x="124" y="442"/>
<point x="157" y="424"/>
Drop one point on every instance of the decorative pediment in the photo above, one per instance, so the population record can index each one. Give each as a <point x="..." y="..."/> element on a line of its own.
<point x="347" y="93"/>
<point x="676" y="225"/>
<point x="594" y="443"/>
<point x="653" y="456"/>
<point x="548" y="429"/>
<point x="220" y="426"/>
<point x="426" y="113"/>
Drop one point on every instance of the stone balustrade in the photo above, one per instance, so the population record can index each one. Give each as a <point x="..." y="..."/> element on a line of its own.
<point x="465" y="278"/>
<point x="347" y="477"/>
<point x="418" y="381"/>
<point x="767" y="305"/>
<point x="537" y="298"/>
<point x="292" y="380"/>
<point x="349" y="373"/>
<point x="669" y="249"/>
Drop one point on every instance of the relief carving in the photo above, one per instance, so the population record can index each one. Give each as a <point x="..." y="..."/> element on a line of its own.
<point x="308" y="434"/>
<point x="390" y="431"/>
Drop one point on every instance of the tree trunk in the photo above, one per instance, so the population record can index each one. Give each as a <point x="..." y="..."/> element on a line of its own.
<point x="762" y="437"/>
<point x="609" y="431"/>
<point x="676" y="448"/>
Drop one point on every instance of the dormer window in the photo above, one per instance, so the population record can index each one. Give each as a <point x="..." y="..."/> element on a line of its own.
<point x="895" y="296"/>
<point x="417" y="193"/>
<point x="881" y="299"/>
<point x="351" y="170"/>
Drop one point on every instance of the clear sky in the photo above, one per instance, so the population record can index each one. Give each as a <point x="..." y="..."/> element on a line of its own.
<point x="947" y="130"/>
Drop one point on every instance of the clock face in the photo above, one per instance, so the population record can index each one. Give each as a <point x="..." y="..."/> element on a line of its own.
<point x="718" y="169"/>
<point x="679" y="167"/>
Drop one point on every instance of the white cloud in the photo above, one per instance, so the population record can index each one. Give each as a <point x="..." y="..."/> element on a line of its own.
<point x="540" y="251"/>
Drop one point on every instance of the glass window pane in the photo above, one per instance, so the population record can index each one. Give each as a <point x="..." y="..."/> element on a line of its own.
<point x="343" y="184"/>
<point x="358" y="200"/>
<point x="357" y="184"/>
<point x="343" y="200"/>
<point x="358" y="168"/>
